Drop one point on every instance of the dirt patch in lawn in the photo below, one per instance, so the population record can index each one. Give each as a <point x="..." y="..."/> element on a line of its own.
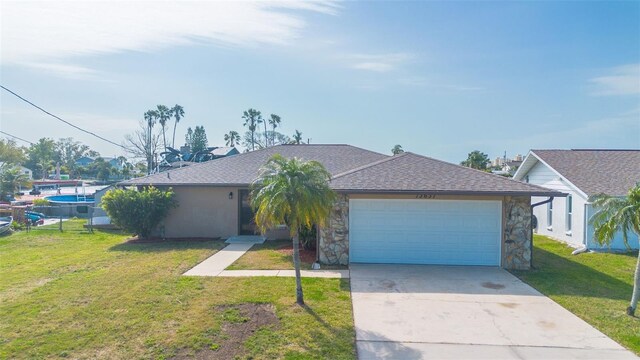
<point x="306" y="256"/>
<point x="240" y="322"/>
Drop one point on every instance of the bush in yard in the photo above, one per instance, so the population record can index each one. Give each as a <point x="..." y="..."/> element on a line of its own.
<point x="138" y="212"/>
<point x="41" y="202"/>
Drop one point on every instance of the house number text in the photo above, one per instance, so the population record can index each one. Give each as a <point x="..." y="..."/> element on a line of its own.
<point x="425" y="196"/>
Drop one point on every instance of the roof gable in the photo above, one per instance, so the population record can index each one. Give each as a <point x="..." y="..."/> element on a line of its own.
<point x="410" y="172"/>
<point x="592" y="172"/>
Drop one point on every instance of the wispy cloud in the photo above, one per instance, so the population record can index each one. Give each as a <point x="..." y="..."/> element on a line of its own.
<point x="620" y="80"/>
<point x="378" y="62"/>
<point x="68" y="71"/>
<point x="39" y="32"/>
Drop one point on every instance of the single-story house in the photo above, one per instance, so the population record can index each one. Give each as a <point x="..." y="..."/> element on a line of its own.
<point x="23" y="170"/>
<point x="581" y="174"/>
<point x="406" y="209"/>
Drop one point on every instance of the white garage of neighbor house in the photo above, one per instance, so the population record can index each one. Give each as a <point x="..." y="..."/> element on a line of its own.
<point x="581" y="174"/>
<point x="403" y="209"/>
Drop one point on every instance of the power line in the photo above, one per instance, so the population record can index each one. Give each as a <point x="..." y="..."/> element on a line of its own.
<point x="58" y="118"/>
<point x="13" y="136"/>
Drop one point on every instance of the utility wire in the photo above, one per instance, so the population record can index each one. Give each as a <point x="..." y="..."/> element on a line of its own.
<point x="58" y="118"/>
<point x="13" y="136"/>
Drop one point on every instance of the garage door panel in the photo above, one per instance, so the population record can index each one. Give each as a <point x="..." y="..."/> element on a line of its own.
<point x="425" y="231"/>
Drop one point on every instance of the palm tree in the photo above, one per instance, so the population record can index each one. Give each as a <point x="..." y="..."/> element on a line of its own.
<point x="252" y="118"/>
<point x="295" y="193"/>
<point x="297" y="137"/>
<point x="614" y="215"/>
<point x="11" y="178"/>
<point x="164" y="114"/>
<point x="397" y="150"/>
<point x="178" y="112"/>
<point x="266" y="137"/>
<point x="232" y="138"/>
<point x="274" y="121"/>
<point x="150" y="116"/>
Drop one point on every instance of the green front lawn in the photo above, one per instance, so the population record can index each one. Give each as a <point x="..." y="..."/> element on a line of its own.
<point x="595" y="286"/>
<point x="276" y="255"/>
<point x="82" y="295"/>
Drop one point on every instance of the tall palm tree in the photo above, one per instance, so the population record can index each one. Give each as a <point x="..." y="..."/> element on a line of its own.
<point x="295" y="193"/>
<point x="266" y="137"/>
<point x="232" y="138"/>
<point x="297" y="137"/>
<point x="252" y="118"/>
<point x="274" y="121"/>
<point x="178" y="113"/>
<point x="619" y="214"/>
<point x="150" y="116"/>
<point x="164" y="114"/>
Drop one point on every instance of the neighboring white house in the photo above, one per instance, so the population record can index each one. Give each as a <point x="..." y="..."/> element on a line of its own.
<point x="23" y="170"/>
<point x="581" y="174"/>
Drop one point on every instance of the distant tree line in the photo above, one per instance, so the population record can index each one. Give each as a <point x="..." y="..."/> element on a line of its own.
<point x="44" y="156"/>
<point x="261" y="133"/>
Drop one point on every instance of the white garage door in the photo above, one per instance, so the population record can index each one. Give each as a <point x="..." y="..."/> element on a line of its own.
<point x="418" y="231"/>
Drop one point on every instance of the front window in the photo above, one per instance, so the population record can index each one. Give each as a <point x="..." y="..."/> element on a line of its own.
<point x="569" y="212"/>
<point x="550" y="214"/>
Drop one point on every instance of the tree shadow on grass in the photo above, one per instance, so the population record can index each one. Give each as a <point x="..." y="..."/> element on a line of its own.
<point x="169" y="245"/>
<point x="557" y="275"/>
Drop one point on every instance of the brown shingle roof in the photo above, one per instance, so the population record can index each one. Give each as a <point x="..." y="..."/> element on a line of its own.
<point x="612" y="172"/>
<point x="242" y="169"/>
<point x="409" y="172"/>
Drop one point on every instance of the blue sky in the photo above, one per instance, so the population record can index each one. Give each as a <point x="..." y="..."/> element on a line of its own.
<point x="439" y="78"/>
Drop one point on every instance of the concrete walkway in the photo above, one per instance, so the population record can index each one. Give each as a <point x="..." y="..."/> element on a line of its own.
<point x="216" y="264"/>
<point x="219" y="261"/>
<point x="335" y="274"/>
<point x="450" y="312"/>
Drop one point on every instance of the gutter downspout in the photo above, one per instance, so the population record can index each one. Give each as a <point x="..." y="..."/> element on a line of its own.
<point x="550" y="199"/>
<point x="585" y="229"/>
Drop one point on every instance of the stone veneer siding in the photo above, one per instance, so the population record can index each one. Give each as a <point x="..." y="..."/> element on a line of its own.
<point x="516" y="251"/>
<point x="333" y="242"/>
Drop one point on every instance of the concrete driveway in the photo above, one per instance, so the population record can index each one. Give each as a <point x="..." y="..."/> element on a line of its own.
<point x="450" y="312"/>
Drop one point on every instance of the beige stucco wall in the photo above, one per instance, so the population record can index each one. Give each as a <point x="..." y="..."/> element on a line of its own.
<point x="203" y="211"/>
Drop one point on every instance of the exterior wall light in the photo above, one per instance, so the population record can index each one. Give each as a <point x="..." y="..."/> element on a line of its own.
<point x="230" y="195"/>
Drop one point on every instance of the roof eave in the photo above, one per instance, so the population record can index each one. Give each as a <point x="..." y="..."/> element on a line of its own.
<point x="451" y="192"/>
<point x="239" y="185"/>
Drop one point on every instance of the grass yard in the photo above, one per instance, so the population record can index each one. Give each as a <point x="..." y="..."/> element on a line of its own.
<point x="82" y="295"/>
<point x="595" y="286"/>
<point x="276" y="255"/>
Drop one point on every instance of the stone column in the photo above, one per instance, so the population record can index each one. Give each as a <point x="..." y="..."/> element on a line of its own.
<point x="517" y="233"/>
<point x="333" y="245"/>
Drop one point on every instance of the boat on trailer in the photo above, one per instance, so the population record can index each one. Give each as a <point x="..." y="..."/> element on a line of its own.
<point x="5" y="224"/>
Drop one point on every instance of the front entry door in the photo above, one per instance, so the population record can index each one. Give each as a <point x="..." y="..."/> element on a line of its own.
<point x="247" y="217"/>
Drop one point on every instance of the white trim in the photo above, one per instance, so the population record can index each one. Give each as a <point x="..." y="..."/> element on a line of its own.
<point x="562" y="178"/>
<point x="568" y="214"/>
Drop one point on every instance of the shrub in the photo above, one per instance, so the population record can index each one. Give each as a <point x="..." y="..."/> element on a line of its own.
<point x="41" y="202"/>
<point x="307" y="236"/>
<point x="138" y="212"/>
